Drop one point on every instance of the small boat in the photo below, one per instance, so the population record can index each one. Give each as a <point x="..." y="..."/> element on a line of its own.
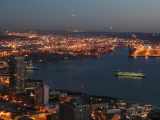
<point x="130" y="74"/>
<point x="31" y="67"/>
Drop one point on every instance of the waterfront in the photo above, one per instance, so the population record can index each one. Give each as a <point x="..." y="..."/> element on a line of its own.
<point x="95" y="76"/>
<point x="79" y="60"/>
<point x="74" y="77"/>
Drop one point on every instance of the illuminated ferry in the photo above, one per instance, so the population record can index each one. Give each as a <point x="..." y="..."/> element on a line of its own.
<point x="130" y="74"/>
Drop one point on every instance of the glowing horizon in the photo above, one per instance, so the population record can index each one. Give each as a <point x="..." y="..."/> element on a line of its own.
<point x="94" y="15"/>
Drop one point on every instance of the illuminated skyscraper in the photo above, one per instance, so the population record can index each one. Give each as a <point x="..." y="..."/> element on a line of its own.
<point x="20" y="73"/>
<point x="17" y="73"/>
<point x="11" y="72"/>
<point x="38" y="91"/>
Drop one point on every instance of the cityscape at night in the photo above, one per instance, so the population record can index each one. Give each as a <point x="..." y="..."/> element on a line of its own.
<point x="79" y="60"/>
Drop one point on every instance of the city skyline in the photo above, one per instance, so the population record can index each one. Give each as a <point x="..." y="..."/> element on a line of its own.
<point x="79" y="60"/>
<point x="84" y="15"/>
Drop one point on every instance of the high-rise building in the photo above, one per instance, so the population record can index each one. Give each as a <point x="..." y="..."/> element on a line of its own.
<point x="12" y="72"/>
<point x="46" y="94"/>
<point x="42" y="95"/>
<point x="4" y="76"/>
<point x="17" y="72"/>
<point x="20" y="73"/>
<point x="66" y="111"/>
<point x="38" y="91"/>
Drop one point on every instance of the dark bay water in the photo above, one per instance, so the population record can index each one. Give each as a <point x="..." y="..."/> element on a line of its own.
<point x="95" y="76"/>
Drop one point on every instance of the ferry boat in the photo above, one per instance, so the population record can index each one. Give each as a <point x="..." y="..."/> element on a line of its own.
<point x="130" y="74"/>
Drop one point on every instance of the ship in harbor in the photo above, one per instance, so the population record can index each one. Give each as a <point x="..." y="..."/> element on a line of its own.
<point x="145" y="51"/>
<point x="129" y="74"/>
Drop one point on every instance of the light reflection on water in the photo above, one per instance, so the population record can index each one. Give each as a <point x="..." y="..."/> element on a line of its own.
<point x="95" y="76"/>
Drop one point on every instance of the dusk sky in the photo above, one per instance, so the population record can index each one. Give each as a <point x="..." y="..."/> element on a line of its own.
<point x="93" y="15"/>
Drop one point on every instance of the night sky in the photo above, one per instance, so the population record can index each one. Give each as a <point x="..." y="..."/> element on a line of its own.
<point x="84" y="15"/>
